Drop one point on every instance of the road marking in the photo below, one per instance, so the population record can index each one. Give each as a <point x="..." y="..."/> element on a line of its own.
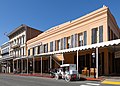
<point x="84" y="85"/>
<point x="93" y="84"/>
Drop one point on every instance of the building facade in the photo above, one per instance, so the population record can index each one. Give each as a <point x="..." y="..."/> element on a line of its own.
<point x="5" y="58"/>
<point x="18" y="47"/>
<point x="73" y="43"/>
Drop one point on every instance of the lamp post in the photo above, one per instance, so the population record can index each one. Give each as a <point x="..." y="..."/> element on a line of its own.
<point x="93" y="55"/>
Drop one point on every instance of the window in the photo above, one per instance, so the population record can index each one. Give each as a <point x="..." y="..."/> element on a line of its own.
<point x="38" y="51"/>
<point x="51" y="46"/>
<point x="62" y="44"/>
<point x="23" y="39"/>
<point x="23" y="51"/>
<point x="108" y="33"/>
<point x="33" y="51"/>
<point x="41" y="49"/>
<point x="29" y="52"/>
<point x="65" y="42"/>
<point x="59" y="45"/>
<point x="85" y="37"/>
<point x="45" y="48"/>
<point x="100" y="34"/>
<point x="81" y="39"/>
<point x="69" y="43"/>
<point x="94" y="35"/>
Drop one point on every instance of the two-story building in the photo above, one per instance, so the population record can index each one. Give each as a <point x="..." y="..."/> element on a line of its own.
<point x="18" y="48"/>
<point x="86" y="42"/>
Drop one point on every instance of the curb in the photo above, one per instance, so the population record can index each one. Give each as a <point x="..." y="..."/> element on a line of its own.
<point x="111" y="82"/>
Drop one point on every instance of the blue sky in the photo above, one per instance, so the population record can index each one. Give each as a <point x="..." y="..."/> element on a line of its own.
<point x="44" y="14"/>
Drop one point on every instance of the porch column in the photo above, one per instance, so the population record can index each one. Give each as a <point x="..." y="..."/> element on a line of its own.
<point x="6" y="66"/>
<point x="97" y="62"/>
<point x="17" y="65"/>
<point x="27" y="65"/>
<point x="13" y="66"/>
<point x="77" y="60"/>
<point x="33" y="64"/>
<point x="41" y="65"/>
<point x="50" y="62"/>
<point x="62" y="59"/>
<point x="21" y="65"/>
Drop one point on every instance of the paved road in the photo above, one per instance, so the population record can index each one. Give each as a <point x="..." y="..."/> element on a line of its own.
<point x="13" y="80"/>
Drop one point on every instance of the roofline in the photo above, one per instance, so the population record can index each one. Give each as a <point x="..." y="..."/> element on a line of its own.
<point x="73" y="22"/>
<point x="16" y="29"/>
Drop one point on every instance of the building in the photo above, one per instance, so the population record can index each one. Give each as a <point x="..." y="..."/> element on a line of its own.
<point x="18" y="48"/>
<point x="86" y="42"/>
<point x="5" y="58"/>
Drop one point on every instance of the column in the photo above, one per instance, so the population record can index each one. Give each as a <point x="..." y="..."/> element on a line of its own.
<point x="21" y="65"/>
<point x="97" y="62"/>
<point x="50" y="62"/>
<point x="41" y="65"/>
<point x="13" y="66"/>
<point x="27" y="65"/>
<point x="77" y="60"/>
<point x="33" y="64"/>
<point x="17" y="65"/>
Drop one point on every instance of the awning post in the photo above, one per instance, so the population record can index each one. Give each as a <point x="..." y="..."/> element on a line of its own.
<point x="13" y="66"/>
<point x="77" y="60"/>
<point x="50" y="62"/>
<point x="97" y="62"/>
<point x="33" y="65"/>
<point x="21" y="65"/>
<point x="17" y="65"/>
<point x="27" y="65"/>
<point x="41" y="65"/>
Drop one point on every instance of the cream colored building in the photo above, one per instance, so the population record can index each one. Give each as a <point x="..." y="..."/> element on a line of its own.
<point x="75" y="42"/>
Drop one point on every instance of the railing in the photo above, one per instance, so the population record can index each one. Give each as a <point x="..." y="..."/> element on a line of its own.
<point x="17" y="45"/>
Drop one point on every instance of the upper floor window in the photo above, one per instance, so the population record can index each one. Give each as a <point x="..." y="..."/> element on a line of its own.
<point x="58" y="45"/>
<point x="69" y="42"/>
<point x="38" y="51"/>
<point x="45" y="48"/>
<point x="33" y="51"/>
<point x="80" y="39"/>
<point x="100" y="34"/>
<point x="29" y="52"/>
<point x="51" y="46"/>
<point x="94" y="35"/>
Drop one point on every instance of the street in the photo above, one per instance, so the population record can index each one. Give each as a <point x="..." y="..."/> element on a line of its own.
<point x="14" y="80"/>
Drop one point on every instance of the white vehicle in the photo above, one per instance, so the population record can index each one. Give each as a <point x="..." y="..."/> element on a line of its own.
<point x="67" y="72"/>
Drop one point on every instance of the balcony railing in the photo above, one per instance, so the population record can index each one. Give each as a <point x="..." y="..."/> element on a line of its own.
<point x="15" y="46"/>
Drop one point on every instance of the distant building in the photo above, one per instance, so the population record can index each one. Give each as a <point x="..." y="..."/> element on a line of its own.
<point x="18" y="48"/>
<point x="5" y="58"/>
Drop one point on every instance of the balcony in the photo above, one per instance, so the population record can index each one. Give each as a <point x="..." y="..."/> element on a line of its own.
<point x="14" y="46"/>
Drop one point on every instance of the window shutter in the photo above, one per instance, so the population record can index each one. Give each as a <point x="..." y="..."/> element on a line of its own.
<point x="65" y="42"/>
<point x="71" y="41"/>
<point x="76" y="40"/>
<point x="85" y="37"/>
<point x="61" y="41"/>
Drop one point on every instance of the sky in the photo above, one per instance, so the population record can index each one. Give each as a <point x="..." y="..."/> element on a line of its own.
<point x="44" y="14"/>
